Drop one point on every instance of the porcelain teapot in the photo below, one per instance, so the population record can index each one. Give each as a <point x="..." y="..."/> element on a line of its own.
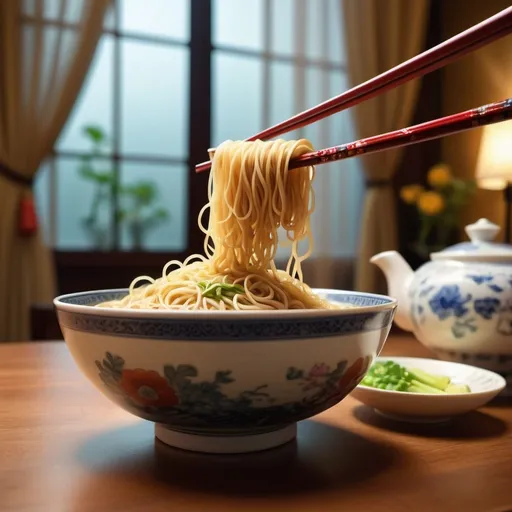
<point x="459" y="304"/>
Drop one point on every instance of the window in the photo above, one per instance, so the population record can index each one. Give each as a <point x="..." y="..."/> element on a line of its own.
<point x="265" y="60"/>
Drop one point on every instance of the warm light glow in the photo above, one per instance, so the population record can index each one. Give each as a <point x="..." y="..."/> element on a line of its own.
<point x="494" y="166"/>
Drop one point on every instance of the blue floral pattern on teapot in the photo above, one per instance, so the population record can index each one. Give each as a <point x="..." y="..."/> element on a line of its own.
<point x="477" y="297"/>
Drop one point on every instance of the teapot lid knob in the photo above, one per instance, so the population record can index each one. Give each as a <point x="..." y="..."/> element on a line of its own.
<point x="482" y="231"/>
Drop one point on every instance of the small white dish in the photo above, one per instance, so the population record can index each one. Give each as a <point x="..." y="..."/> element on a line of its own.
<point x="426" y="408"/>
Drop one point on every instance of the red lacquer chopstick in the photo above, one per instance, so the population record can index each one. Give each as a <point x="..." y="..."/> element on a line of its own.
<point x="449" y="125"/>
<point x="470" y="40"/>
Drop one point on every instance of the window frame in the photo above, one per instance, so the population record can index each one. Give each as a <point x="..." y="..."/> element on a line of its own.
<point x="199" y="70"/>
<point x="201" y="50"/>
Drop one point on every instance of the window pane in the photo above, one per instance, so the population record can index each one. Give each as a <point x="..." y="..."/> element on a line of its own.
<point x="345" y="178"/>
<point x="42" y="193"/>
<point x="338" y="133"/>
<point x="282" y="93"/>
<point x="314" y="28"/>
<point x="316" y="133"/>
<point x="237" y="96"/>
<point x="94" y="105"/>
<point x="336" y="46"/>
<point x="109" y="23"/>
<point x="154" y="99"/>
<point x="238" y="23"/>
<point x="82" y="223"/>
<point x="169" y="18"/>
<point x="166" y="218"/>
<point x="282" y="15"/>
<point x="314" y="96"/>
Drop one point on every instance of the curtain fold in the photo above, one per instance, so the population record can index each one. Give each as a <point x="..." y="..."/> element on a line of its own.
<point x="42" y="69"/>
<point x="378" y="36"/>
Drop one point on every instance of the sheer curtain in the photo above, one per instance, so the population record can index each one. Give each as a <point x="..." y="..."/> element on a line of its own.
<point x="380" y="35"/>
<point x="318" y="34"/>
<point x="42" y="69"/>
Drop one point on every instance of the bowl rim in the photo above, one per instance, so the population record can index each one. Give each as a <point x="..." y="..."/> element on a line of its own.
<point x="494" y="390"/>
<point x="389" y="305"/>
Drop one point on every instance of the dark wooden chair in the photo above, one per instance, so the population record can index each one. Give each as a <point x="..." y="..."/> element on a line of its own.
<point x="43" y="323"/>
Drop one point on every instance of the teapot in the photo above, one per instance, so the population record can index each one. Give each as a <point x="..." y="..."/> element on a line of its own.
<point x="459" y="304"/>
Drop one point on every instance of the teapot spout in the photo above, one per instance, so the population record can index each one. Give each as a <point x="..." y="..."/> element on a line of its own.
<point x="398" y="275"/>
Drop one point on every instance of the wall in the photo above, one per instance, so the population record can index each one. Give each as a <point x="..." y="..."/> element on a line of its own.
<point x="482" y="77"/>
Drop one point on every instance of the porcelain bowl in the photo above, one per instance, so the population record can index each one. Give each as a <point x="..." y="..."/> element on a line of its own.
<point x="225" y="381"/>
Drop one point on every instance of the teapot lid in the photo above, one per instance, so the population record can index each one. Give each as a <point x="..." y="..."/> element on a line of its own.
<point x="480" y="248"/>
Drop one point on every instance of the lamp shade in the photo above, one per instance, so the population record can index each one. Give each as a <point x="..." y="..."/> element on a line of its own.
<point x="494" y="165"/>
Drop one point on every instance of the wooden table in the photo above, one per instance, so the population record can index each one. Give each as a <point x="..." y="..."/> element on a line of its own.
<point x="64" y="447"/>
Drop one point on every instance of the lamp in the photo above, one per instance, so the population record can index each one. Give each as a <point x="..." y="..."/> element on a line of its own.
<point x="494" y="165"/>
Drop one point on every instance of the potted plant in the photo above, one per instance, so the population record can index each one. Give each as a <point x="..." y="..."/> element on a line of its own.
<point x="138" y="211"/>
<point x="438" y="208"/>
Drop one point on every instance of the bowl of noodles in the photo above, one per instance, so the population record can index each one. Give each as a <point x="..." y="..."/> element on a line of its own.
<point x="224" y="352"/>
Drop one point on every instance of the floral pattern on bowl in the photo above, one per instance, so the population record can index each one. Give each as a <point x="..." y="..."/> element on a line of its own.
<point x="178" y="396"/>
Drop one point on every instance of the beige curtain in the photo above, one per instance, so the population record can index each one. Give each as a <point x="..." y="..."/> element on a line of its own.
<point x="41" y="73"/>
<point x="380" y="34"/>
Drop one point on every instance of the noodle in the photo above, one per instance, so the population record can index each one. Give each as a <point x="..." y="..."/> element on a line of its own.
<point x="251" y="195"/>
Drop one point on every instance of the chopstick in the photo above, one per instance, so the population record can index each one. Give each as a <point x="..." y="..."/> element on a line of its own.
<point x="483" y="33"/>
<point x="449" y="125"/>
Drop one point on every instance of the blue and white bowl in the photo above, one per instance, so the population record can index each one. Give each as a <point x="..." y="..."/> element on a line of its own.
<point x="220" y="381"/>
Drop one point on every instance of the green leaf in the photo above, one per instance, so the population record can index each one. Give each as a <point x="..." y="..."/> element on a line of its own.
<point x="186" y="370"/>
<point x="100" y="177"/>
<point x="340" y="369"/>
<point x="121" y="215"/>
<point x="144" y="192"/>
<point x="178" y="377"/>
<point x="294" y="373"/>
<point x="224" y="377"/>
<point x="113" y="364"/>
<point x="117" y="361"/>
<point x="170" y="375"/>
<point x="161" y="213"/>
<point x="95" y="133"/>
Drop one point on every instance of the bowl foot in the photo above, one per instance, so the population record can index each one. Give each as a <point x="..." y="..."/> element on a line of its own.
<point x="225" y="444"/>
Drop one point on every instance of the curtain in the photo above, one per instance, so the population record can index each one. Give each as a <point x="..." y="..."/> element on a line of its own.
<point x="42" y="69"/>
<point x="378" y="36"/>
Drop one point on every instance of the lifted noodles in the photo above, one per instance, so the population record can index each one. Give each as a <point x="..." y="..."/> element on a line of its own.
<point x="251" y="195"/>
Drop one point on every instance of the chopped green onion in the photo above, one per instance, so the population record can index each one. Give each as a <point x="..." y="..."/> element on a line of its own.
<point x="219" y="291"/>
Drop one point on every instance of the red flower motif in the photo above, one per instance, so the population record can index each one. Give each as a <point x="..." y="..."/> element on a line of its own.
<point x="351" y="378"/>
<point x="319" y="370"/>
<point x="147" y="387"/>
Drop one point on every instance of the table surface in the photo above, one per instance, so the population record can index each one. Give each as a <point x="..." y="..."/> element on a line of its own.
<point x="64" y="447"/>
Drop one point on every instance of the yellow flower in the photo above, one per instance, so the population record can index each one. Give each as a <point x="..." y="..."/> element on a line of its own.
<point x="410" y="193"/>
<point x="439" y="175"/>
<point x="431" y="203"/>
